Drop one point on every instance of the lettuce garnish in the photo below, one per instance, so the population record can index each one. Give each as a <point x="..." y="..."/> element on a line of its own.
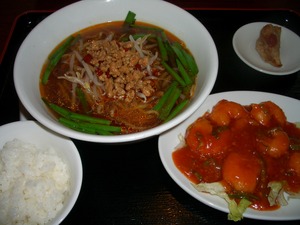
<point x="236" y="210"/>
<point x="276" y="195"/>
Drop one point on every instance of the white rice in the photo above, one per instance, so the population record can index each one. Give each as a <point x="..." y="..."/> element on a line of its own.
<point x="33" y="183"/>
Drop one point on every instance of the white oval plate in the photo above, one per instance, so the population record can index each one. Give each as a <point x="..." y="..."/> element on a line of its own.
<point x="244" y="41"/>
<point x="169" y="140"/>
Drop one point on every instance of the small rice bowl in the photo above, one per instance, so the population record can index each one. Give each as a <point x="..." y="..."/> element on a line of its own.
<point x="34" y="183"/>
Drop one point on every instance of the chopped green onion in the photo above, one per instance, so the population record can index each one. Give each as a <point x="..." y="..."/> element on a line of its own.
<point x="55" y="57"/>
<point x="162" y="49"/>
<point x="185" y="58"/>
<point x="184" y="74"/>
<point x="130" y="18"/>
<point x="191" y="63"/>
<point x="165" y="96"/>
<point x="177" y="48"/>
<point x="171" y="101"/>
<point x="177" y="109"/>
<point x="76" y="116"/>
<point x="82" y="99"/>
<point x="87" y="127"/>
<point x="101" y="127"/>
<point x="74" y="126"/>
<point x="173" y="73"/>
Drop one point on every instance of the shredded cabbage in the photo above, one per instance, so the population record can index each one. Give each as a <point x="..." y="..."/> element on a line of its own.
<point x="236" y="211"/>
<point x="276" y="195"/>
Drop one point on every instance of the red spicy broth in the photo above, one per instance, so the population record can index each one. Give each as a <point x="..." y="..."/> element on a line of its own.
<point x="104" y="75"/>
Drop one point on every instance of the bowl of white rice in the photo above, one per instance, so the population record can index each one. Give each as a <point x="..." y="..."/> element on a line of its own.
<point x="40" y="174"/>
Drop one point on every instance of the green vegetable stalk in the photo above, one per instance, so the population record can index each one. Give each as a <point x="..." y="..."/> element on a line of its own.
<point x="55" y="57"/>
<point x="84" y="123"/>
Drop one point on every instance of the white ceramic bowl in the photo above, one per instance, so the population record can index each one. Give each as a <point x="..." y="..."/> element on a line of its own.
<point x="66" y="21"/>
<point x="32" y="132"/>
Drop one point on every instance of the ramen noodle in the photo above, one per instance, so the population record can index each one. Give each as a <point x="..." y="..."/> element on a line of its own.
<point x="132" y="77"/>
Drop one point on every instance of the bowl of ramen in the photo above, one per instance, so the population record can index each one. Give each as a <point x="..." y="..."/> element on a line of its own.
<point x="115" y="72"/>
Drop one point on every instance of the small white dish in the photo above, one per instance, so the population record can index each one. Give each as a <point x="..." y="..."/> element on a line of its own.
<point x="169" y="140"/>
<point x="244" y="41"/>
<point x="34" y="133"/>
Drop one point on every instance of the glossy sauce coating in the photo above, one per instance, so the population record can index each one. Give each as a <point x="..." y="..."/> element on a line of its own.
<point x="244" y="148"/>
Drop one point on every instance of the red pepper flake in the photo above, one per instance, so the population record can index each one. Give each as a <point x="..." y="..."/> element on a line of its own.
<point x="99" y="72"/>
<point x="107" y="74"/>
<point x="155" y="72"/>
<point x="87" y="58"/>
<point x="138" y="66"/>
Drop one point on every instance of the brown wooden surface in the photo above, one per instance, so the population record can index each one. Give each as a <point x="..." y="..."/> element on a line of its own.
<point x="11" y="9"/>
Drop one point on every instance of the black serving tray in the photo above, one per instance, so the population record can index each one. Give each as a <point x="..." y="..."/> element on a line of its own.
<point x="127" y="184"/>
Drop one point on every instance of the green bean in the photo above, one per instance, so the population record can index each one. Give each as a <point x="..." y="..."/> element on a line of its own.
<point x="177" y="109"/>
<point x="165" y="96"/>
<point x="76" y="116"/>
<point x="55" y="57"/>
<point x="84" y="127"/>
<point x="166" y="109"/>
<point x="101" y="127"/>
<point x="162" y="49"/>
<point x="82" y="99"/>
<point x="61" y="111"/>
<point x="169" y="51"/>
<point x="62" y="48"/>
<point x="86" y="118"/>
<point x="184" y="74"/>
<point x="74" y="126"/>
<point x="177" y="48"/>
<point x="186" y="59"/>
<point x="130" y="18"/>
<point x="171" y="54"/>
<point x="189" y="61"/>
<point x="173" y="73"/>
<point x="164" y="36"/>
<point x="192" y="65"/>
<point x="84" y="123"/>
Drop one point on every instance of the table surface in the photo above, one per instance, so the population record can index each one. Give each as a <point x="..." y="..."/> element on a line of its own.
<point x="127" y="184"/>
<point x="11" y="9"/>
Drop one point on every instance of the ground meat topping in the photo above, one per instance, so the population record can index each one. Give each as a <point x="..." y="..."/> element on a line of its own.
<point x="121" y="68"/>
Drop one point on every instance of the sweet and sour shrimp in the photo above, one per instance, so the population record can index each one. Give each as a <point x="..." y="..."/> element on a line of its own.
<point x="266" y="112"/>
<point x="245" y="148"/>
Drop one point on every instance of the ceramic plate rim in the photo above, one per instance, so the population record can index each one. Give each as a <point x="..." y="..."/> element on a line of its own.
<point x="249" y="55"/>
<point x="166" y="147"/>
